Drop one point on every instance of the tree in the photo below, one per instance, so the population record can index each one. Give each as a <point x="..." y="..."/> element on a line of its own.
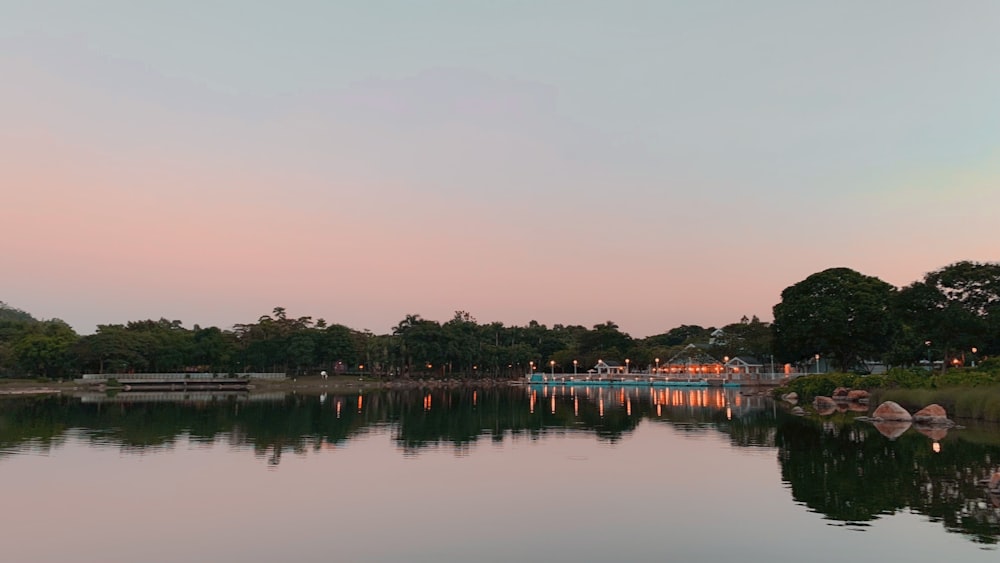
<point x="838" y="313"/>
<point x="953" y="310"/>
<point x="47" y="349"/>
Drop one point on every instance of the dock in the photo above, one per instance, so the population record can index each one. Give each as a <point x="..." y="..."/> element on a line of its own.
<point x="195" y="381"/>
<point x="644" y="380"/>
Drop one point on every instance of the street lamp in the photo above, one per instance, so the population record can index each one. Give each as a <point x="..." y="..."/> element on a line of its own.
<point x="817" y="363"/>
<point x="626" y="365"/>
<point x="974" y="350"/>
<point x="552" y="366"/>
<point x="574" y="366"/>
<point x="657" y="360"/>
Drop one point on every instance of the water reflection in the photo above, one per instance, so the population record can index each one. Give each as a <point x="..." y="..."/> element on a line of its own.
<point x="850" y="472"/>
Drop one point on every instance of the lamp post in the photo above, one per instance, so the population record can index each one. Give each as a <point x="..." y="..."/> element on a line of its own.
<point x="626" y="365"/>
<point x="817" y="363"/>
<point x="657" y="360"/>
<point x="575" y="363"/>
<point x="552" y="367"/>
<point x="927" y="343"/>
<point x="974" y="350"/>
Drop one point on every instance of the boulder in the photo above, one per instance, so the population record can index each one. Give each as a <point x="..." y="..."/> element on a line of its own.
<point x="932" y="414"/>
<point x="857" y="407"/>
<point x="792" y="397"/>
<point x="892" y="429"/>
<point x="856" y="395"/>
<point x="824" y="405"/>
<point x="841" y="392"/>
<point x="890" y="410"/>
<point x="798" y="411"/>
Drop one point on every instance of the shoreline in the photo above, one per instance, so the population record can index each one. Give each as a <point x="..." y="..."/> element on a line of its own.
<point x="306" y="384"/>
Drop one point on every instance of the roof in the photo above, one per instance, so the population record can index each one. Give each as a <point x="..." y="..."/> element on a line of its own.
<point x="748" y="360"/>
<point x="692" y="354"/>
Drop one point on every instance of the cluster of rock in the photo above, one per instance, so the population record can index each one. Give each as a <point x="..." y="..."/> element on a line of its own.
<point x="889" y="418"/>
<point x="892" y="420"/>
<point x="931" y="414"/>
<point x="843" y="400"/>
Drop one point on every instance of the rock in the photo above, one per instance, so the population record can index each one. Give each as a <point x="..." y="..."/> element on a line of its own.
<point x="824" y="405"/>
<point x="890" y="410"/>
<point x="798" y="411"/>
<point x="932" y="414"/>
<point x="840" y="392"/>
<point x="892" y="429"/>
<point x="856" y="395"/>
<point x="792" y="397"/>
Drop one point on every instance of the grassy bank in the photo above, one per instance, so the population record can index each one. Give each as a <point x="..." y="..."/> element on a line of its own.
<point x="971" y="393"/>
<point x="973" y="403"/>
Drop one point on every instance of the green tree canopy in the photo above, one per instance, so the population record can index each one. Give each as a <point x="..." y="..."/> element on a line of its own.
<point x="838" y="313"/>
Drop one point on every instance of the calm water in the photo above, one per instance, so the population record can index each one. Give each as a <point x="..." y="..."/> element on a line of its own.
<point x="486" y="475"/>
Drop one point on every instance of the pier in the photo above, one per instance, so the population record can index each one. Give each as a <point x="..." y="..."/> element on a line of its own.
<point x="195" y="381"/>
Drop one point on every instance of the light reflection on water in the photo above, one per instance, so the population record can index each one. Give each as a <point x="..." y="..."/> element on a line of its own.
<point x="486" y="474"/>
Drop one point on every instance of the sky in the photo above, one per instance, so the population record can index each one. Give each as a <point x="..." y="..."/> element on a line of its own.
<point x="653" y="163"/>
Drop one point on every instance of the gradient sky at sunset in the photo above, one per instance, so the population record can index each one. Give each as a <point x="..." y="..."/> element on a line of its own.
<point x="654" y="163"/>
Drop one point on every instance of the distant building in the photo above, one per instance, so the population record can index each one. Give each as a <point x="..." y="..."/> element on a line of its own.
<point x="609" y="368"/>
<point x="692" y="360"/>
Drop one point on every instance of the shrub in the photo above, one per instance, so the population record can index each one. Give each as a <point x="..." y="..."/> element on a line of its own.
<point x="908" y="378"/>
<point x="966" y="378"/>
<point x="810" y="386"/>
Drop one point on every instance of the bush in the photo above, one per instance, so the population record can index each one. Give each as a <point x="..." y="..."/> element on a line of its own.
<point x="810" y="386"/>
<point x="966" y="378"/>
<point x="908" y="378"/>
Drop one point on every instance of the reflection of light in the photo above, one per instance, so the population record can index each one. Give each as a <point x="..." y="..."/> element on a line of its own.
<point x="534" y="397"/>
<point x="729" y="413"/>
<point x="936" y="446"/>
<point x="576" y="406"/>
<point x="360" y="399"/>
<point x="338" y="409"/>
<point x="600" y="405"/>
<point x="553" y="404"/>
<point x="659" y="412"/>
<point x="628" y="406"/>
<point x="474" y="398"/>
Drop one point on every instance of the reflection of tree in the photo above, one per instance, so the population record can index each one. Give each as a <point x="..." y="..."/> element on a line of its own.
<point x="842" y="469"/>
<point x="850" y="472"/>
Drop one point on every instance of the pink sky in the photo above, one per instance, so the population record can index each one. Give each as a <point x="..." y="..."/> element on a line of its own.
<point x="146" y="177"/>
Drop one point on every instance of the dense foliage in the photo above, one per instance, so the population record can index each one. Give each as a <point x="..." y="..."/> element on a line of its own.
<point x="417" y="347"/>
<point x="837" y="312"/>
<point x="949" y="319"/>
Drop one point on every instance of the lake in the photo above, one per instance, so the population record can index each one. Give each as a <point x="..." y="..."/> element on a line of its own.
<point x="489" y="474"/>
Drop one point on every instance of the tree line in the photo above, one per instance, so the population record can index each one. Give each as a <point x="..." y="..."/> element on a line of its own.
<point x="951" y="316"/>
